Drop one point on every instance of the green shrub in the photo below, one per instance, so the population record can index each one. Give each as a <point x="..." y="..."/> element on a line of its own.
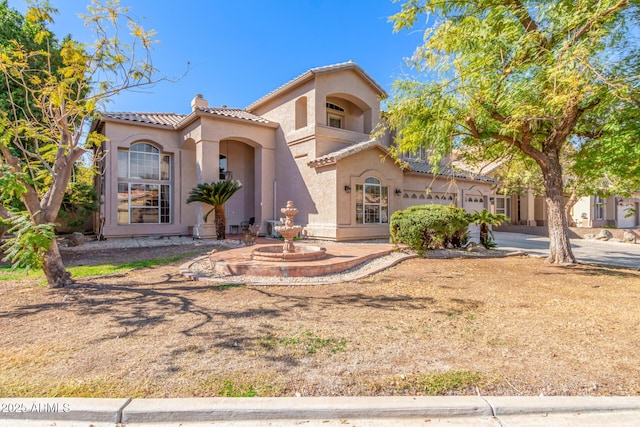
<point x="430" y="227"/>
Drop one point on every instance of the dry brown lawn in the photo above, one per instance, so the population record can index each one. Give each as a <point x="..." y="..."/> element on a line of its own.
<point x="495" y="326"/>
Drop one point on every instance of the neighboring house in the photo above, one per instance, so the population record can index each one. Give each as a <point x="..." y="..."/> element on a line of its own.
<point x="307" y="141"/>
<point x="531" y="210"/>
<point x="613" y="211"/>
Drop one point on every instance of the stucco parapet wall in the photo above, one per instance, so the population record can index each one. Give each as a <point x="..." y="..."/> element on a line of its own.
<point x="332" y="158"/>
<point x="307" y="75"/>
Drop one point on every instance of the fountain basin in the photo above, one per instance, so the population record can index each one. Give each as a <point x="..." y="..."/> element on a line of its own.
<point x="339" y="258"/>
<point x="276" y="253"/>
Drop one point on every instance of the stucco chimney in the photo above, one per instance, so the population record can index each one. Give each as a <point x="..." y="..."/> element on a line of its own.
<point x="198" y="101"/>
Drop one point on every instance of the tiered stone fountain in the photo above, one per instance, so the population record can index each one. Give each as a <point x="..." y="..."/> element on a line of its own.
<point x="288" y="252"/>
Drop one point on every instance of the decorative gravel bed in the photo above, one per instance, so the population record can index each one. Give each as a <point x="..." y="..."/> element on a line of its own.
<point x="202" y="270"/>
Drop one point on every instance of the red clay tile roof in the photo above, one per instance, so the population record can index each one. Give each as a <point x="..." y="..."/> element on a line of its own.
<point x="332" y="158"/>
<point x="163" y="119"/>
<point x="413" y="166"/>
<point x="174" y="120"/>
<point x="236" y="113"/>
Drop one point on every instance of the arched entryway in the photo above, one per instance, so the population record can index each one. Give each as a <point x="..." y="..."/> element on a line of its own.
<point x="237" y="160"/>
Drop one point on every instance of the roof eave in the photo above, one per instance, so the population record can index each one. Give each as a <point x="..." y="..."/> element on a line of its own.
<point x="310" y="74"/>
<point x="105" y="119"/>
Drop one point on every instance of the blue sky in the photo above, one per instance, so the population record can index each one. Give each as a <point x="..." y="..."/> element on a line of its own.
<point x="240" y="50"/>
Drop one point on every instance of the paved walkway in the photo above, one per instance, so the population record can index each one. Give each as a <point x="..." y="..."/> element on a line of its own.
<point x="585" y="250"/>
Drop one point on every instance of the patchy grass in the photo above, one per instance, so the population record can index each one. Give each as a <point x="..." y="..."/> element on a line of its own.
<point x="90" y="387"/>
<point x="307" y="343"/>
<point x="499" y="326"/>
<point x="101" y="270"/>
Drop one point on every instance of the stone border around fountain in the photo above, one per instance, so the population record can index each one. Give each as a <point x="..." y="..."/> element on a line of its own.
<point x="236" y="266"/>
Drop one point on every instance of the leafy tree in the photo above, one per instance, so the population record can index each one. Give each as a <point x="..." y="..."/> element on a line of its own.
<point x="522" y="78"/>
<point x="215" y="194"/>
<point x="49" y="106"/>
<point x="485" y="219"/>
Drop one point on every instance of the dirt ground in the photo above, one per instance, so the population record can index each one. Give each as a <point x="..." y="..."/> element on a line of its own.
<point x="495" y="326"/>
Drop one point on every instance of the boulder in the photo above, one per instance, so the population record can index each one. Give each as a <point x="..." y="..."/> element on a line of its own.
<point x="75" y="239"/>
<point x="604" y="235"/>
<point x="629" y="237"/>
<point x="475" y="247"/>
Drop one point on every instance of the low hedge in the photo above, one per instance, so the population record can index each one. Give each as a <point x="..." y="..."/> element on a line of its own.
<point x="426" y="227"/>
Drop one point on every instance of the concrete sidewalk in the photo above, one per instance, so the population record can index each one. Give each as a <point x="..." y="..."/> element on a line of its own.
<point x="324" y="411"/>
<point x="588" y="251"/>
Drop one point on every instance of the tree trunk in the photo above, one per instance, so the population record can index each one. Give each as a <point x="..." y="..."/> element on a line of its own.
<point x="53" y="268"/>
<point x="484" y="234"/>
<point x="221" y="222"/>
<point x="559" y="244"/>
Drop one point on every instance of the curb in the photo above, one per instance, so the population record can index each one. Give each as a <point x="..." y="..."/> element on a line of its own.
<point x="301" y="408"/>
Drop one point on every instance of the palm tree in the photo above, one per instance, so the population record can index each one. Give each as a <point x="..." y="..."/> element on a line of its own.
<point x="215" y="194"/>
<point x="485" y="219"/>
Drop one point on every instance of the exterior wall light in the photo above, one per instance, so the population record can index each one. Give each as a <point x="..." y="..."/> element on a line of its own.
<point x="398" y="191"/>
<point x="347" y="188"/>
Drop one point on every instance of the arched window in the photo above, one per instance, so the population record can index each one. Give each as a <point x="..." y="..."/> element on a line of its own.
<point x="144" y="185"/>
<point x="372" y="202"/>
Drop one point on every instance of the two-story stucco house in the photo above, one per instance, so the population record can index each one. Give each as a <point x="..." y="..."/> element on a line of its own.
<point x="307" y="141"/>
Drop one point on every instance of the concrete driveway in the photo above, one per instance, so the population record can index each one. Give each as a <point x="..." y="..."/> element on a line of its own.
<point x="588" y="251"/>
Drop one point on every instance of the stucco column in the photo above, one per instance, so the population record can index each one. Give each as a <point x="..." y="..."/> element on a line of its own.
<point x="531" y="208"/>
<point x="264" y="188"/>
<point x="207" y="171"/>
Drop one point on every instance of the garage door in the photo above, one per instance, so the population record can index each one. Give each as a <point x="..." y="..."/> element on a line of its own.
<point x="413" y="198"/>
<point x="623" y="211"/>
<point x="473" y="204"/>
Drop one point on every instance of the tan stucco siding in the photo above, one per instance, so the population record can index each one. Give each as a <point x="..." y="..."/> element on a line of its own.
<point x="349" y="85"/>
<point x="282" y="109"/>
<point x="122" y="136"/>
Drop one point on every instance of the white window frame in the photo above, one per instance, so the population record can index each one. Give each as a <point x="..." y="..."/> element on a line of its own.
<point x="506" y="210"/>
<point x="160" y="178"/>
<point x="599" y="211"/>
<point x="335" y="112"/>
<point x="363" y="206"/>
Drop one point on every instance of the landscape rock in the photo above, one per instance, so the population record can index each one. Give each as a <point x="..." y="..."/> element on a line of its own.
<point x="75" y="239"/>
<point x="604" y="235"/>
<point x="475" y="247"/>
<point x="629" y="237"/>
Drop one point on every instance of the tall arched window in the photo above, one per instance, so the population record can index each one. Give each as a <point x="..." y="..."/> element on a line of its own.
<point x="372" y="202"/>
<point x="144" y="185"/>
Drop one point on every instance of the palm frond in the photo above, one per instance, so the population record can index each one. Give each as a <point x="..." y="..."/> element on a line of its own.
<point x="215" y="193"/>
